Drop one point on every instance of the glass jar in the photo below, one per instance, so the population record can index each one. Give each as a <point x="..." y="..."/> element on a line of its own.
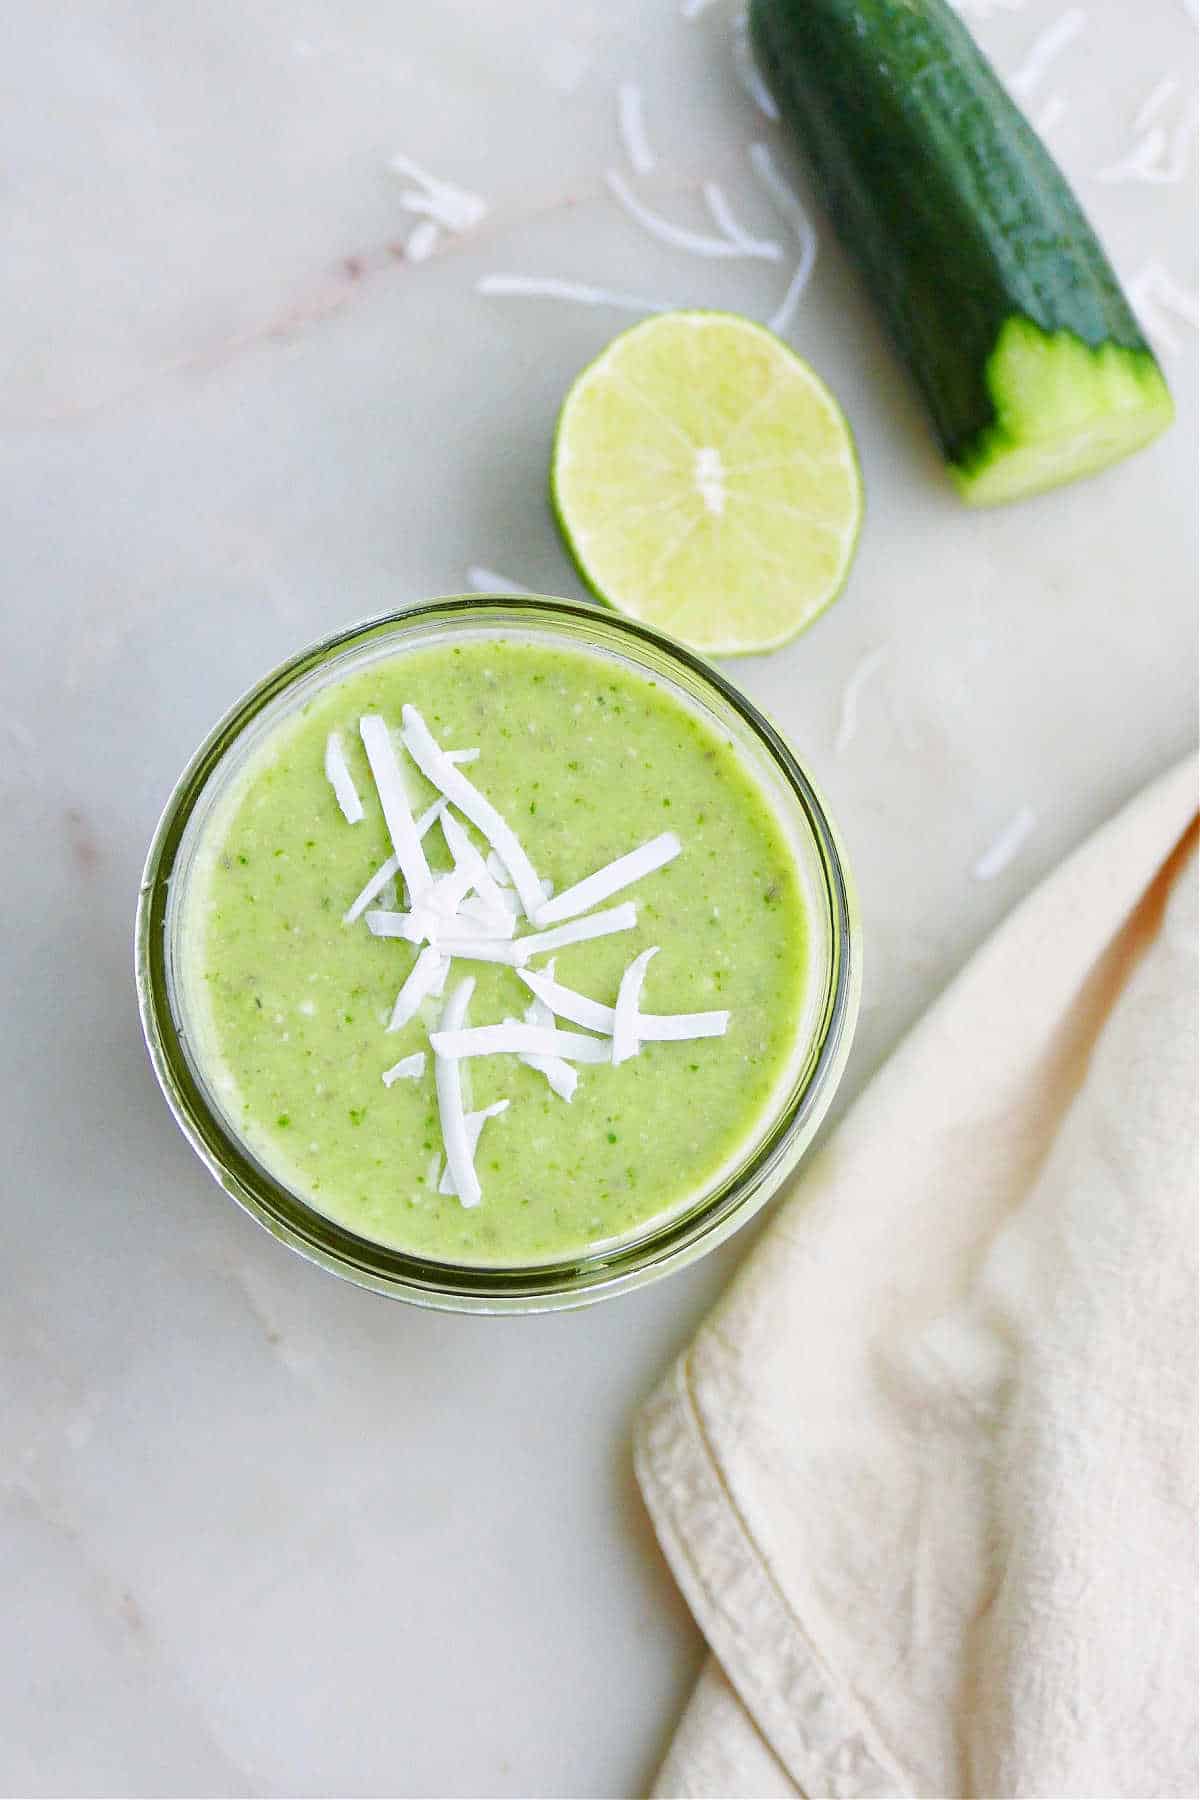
<point x="661" y="1246"/>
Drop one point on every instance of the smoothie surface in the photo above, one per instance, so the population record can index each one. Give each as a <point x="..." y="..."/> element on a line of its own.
<point x="287" y="1006"/>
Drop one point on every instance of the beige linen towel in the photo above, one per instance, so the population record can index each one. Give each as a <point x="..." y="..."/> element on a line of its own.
<point x="927" y="1475"/>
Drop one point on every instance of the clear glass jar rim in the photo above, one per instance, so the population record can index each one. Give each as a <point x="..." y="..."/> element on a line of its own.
<point x="462" y="1287"/>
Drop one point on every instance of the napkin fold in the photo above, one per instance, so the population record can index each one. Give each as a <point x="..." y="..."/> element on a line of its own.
<point x="927" y="1475"/>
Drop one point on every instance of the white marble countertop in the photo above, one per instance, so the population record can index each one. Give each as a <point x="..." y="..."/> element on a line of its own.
<point x="262" y="1533"/>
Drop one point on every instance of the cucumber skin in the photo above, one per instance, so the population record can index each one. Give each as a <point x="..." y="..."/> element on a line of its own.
<point x="944" y="196"/>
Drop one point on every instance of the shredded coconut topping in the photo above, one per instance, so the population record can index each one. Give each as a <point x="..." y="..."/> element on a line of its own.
<point x="409" y="1068"/>
<point x="474" y="919"/>
<point x="454" y="207"/>
<point x="337" y="771"/>
<point x="467" y="858"/>
<point x="427" y="972"/>
<point x="578" y="931"/>
<point x="397" y="813"/>
<point x="422" y="240"/>
<point x="562" y="1078"/>
<point x="386" y="871"/>
<point x="431" y="761"/>
<point x="514" y="1039"/>
<point x="475" y="1122"/>
<point x="680" y="1028"/>
<point x="564" y="1003"/>
<point x="472" y="914"/>
<point x="413" y="927"/>
<point x="484" y="949"/>
<point x="631" y="867"/>
<point x="460" y="1154"/>
<point x="625" y="1012"/>
<point x="747" y="71"/>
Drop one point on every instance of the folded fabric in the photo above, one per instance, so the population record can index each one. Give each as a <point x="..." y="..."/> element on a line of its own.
<point x="927" y="1476"/>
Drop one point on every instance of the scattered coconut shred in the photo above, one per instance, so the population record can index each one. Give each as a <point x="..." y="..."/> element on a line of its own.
<point x="1005" y="848"/>
<point x="475" y="913"/>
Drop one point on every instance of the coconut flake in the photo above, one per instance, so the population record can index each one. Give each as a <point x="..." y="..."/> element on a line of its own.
<point x="564" y="1003"/>
<point x="397" y="813"/>
<point x="861" y="674"/>
<point x="680" y="1028"/>
<point x="549" y="287"/>
<point x="514" y="1039"/>
<point x="431" y="761"/>
<point x="1000" y="853"/>
<point x="1054" y="110"/>
<point x="379" y="880"/>
<point x="460" y="1163"/>
<point x="475" y="1122"/>
<point x="483" y="949"/>
<point x="562" y="1078"/>
<point x="579" y="931"/>
<point x="792" y="207"/>
<point x="631" y="122"/>
<point x="722" y="215"/>
<point x="454" y="207"/>
<point x="468" y="858"/>
<point x="458" y="757"/>
<point x="426" y="973"/>
<point x="411" y="926"/>
<point x="449" y="891"/>
<point x="1154" y="102"/>
<point x="1153" y="294"/>
<point x="337" y="773"/>
<point x="482" y="580"/>
<point x="678" y="236"/>
<point x="491" y="922"/>
<point x="422" y="240"/>
<point x="747" y="71"/>
<point x="445" y="896"/>
<point x="409" y="1068"/>
<point x="1041" y="53"/>
<point x="609" y="880"/>
<point x="385" y="871"/>
<point x="625" y="1012"/>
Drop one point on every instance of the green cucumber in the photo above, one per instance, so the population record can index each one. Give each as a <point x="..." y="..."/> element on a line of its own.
<point x="987" y="274"/>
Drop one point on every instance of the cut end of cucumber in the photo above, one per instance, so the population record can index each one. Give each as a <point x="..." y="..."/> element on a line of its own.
<point x="1063" y="410"/>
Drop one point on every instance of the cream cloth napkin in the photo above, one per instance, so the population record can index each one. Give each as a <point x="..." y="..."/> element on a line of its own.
<point x="927" y="1476"/>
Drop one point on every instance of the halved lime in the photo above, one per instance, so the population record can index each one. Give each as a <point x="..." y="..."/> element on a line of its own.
<point x="705" y="480"/>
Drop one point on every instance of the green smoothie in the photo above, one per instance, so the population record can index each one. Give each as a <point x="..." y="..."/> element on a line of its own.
<point x="288" y="1003"/>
